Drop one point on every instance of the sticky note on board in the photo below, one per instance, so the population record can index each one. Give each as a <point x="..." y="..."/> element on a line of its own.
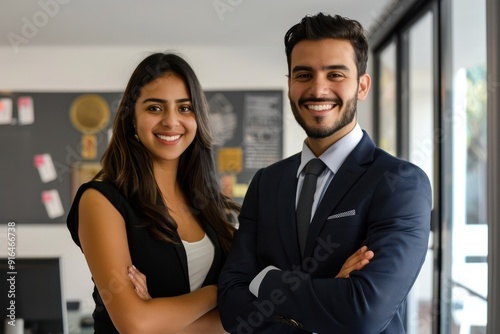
<point x="5" y="111"/>
<point x="45" y="166"/>
<point x="52" y="202"/>
<point x="25" y="110"/>
<point x="230" y="159"/>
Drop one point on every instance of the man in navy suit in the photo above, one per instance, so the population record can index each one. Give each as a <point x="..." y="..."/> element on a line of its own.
<point x="363" y="197"/>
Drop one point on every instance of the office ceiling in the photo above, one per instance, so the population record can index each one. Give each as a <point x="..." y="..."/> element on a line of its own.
<point x="169" y="23"/>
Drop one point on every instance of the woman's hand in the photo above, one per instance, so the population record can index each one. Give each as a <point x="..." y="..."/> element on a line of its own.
<point x="356" y="261"/>
<point x="138" y="279"/>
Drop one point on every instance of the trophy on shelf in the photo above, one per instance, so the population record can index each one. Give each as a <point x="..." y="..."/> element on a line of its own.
<point x="89" y="114"/>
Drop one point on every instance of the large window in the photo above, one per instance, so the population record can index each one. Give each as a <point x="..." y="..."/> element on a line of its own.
<point x="432" y="80"/>
<point x="465" y="124"/>
<point x="420" y="105"/>
<point x="406" y="111"/>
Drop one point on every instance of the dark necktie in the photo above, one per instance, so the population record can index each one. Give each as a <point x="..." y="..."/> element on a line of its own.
<point x="313" y="168"/>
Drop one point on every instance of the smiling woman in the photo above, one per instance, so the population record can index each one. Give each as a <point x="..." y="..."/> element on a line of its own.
<point x="156" y="195"/>
<point x="164" y="119"/>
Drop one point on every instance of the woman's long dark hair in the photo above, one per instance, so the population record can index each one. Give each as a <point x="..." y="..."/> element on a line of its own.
<point x="128" y="164"/>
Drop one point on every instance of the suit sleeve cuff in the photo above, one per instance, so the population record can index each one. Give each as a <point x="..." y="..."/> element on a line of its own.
<point x="255" y="283"/>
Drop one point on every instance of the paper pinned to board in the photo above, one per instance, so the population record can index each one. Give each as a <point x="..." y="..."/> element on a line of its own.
<point x="52" y="202"/>
<point x="25" y="110"/>
<point x="5" y="110"/>
<point x="45" y="166"/>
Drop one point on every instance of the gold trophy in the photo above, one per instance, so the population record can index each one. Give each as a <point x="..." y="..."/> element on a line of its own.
<point x="89" y="114"/>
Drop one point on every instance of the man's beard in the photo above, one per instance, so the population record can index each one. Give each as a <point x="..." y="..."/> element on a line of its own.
<point x="322" y="132"/>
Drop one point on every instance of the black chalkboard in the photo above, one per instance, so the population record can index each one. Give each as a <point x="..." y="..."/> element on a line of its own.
<point x="51" y="133"/>
<point x="248" y="120"/>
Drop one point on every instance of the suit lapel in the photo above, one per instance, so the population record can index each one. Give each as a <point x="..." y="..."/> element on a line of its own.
<point x="351" y="170"/>
<point x="287" y="191"/>
<point x="214" y="271"/>
<point x="181" y="252"/>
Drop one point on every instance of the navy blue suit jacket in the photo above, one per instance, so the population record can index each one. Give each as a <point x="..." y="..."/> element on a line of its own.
<point x="374" y="199"/>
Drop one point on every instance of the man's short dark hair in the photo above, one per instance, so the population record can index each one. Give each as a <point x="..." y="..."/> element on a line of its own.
<point x="321" y="26"/>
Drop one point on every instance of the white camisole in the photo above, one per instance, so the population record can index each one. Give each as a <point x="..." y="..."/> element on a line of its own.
<point x="200" y="255"/>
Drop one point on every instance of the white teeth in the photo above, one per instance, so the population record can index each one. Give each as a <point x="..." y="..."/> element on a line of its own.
<point x="320" y="107"/>
<point x="168" y="138"/>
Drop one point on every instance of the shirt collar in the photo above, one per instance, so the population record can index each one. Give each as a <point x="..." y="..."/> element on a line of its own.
<point x="336" y="154"/>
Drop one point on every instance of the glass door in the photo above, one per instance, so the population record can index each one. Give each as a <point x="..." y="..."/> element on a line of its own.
<point x="465" y="266"/>
<point x="406" y="99"/>
<point x="419" y="41"/>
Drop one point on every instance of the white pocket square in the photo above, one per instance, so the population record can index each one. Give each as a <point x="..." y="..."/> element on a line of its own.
<point x="343" y="214"/>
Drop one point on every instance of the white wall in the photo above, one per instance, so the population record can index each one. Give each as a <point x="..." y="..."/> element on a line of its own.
<point x="57" y="69"/>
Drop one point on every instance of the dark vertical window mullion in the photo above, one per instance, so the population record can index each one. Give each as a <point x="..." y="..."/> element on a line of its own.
<point x="444" y="299"/>
<point x="493" y="82"/>
<point x="402" y="93"/>
<point x="436" y="223"/>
